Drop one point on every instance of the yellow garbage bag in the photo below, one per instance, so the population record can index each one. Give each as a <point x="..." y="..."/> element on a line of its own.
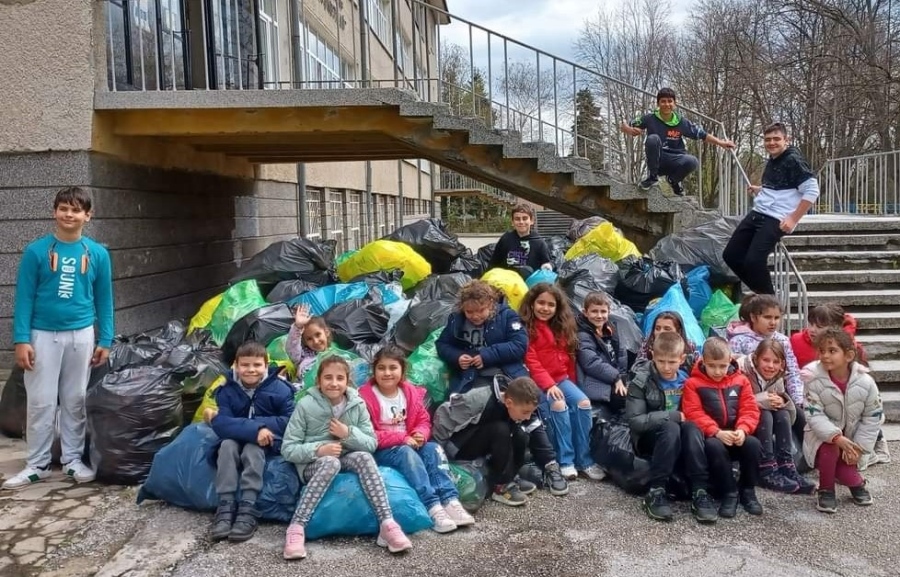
<point x="277" y="350"/>
<point x="510" y="282"/>
<point x="386" y="255"/>
<point x="204" y="315"/>
<point x="605" y="240"/>
<point x="209" y="400"/>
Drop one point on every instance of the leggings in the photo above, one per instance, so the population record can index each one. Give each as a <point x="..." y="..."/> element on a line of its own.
<point x="319" y="475"/>
<point x="832" y="468"/>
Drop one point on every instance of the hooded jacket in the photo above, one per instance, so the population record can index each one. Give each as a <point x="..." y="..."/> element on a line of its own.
<point x="743" y="341"/>
<point x="761" y="387"/>
<point x="787" y="179"/>
<point x="547" y="359"/>
<point x="513" y="251"/>
<point x="728" y="405"/>
<point x="645" y="406"/>
<point x="805" y="351"/>
<point x="417" y="418"/>
<point x="241" y="417"/>
<point x="857" y="414"/>
<point x="601" y="361"/>
<point x="505" y="342"/>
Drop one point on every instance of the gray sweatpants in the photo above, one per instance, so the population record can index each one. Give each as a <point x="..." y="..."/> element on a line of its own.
<point x="62" y="365"/>
<point x="240" y="464"/>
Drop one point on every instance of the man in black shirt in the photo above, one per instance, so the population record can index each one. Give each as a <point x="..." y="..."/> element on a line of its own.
<point x="520" y="249"/>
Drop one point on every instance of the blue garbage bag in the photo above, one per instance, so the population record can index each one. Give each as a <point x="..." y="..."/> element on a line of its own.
<point x="182" y="473"/>
<point x="699" y="291"/>
<point x="322" y="299"/>
<point x="539" y="276"/>
<point x="675" y="301"/>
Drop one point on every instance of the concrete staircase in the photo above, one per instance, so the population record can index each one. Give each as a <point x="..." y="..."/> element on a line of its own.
<point x="552" y="223"/>
<point x="855" y="261"/>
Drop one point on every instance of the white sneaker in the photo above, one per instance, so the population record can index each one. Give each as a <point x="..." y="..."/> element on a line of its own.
<point x="594" y="473"/>
<point x="458" y="514"/>
<point x="569" y="472"/>
<point x="442" y="523"/>
<point x="25" y="478"/>
<point x="882" y="453"/>
<point x="80" y="472"/>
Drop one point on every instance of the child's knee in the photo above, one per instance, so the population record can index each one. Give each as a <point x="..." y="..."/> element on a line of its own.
<point x="558" y="406"/>
<point x="584" y="404"/>
<point x="331" y="465"/>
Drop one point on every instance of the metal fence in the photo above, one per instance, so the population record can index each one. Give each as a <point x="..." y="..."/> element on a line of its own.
<point x="863" y="184"/>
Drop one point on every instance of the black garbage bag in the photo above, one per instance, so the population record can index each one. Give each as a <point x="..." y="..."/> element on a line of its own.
<point x="430" y="239"/>
<point x="288" y="289"/>
<point x="298" y="258"/>
<point x="604" y="272"/>
<point x="131" y="414"/>
<point x="359" y="323"/>
<point x="700" y="245"/>
<point x="205" y="362"/>
<point x="263" y="325"/>
<point x="469" y="264"/>
<point x="14" y="405"/>
<point x="440" y="286"/>
<point x="612" y="449"/>
<point x="433" y="300"/>
<point x="558" y="246"/>
<point x="643" y="279"/>
<point x="579" y="228"/>
<point x="378" y="277"/>
<point x="142" y="349"/>
<point x="484" y="255"/>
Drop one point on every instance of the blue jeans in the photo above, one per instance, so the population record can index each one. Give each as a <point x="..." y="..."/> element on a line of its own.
<point x="569" y="428"/>
<point x="422" y="468"/>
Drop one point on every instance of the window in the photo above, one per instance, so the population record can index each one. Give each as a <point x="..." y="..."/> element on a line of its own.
<point x="379" y="20"/>
<point x="326" y="68"/>
<point x="336" y="219"/>
<point x="380" y="215"/>
<point x="268" y="42"/>
<point x="353" y="221"/>
<point x="234" y="38"/>
<point x="409" y="207"/>
<point x="314" y="214"/>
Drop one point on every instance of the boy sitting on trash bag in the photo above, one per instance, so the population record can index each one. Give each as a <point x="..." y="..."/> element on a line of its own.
<point x="521" y="249"/>
<point x="499" y="421"/>
<point x="658" y="427"/>
<point x="254" y="407"/>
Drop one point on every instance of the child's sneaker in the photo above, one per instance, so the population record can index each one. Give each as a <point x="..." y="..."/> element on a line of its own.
<point x="656" y="505"/>
<point x="245" y="522"/>
<point x="441" y="522"/>
<point x="749" y="501"/>
<point x="773" y="480"/>
<point x="861" y="495"/>
<point x="393" y="537"/>
<point x="527" y="487"/>
<point x="554" y="480"/>
<point x="78" y="471"/>
<point x="26" y="477"/>
<point x="459" y="514"/>
<point x="728" y="505"/>
<point x="703" y="508"/>
<point x="295" y="542"/>
<point x="594" y="473"/>
<point x="826" y="501"/>
<point x="804" y="485"/>
<point x="569" y="472"/>
<point x="508" y="494"/>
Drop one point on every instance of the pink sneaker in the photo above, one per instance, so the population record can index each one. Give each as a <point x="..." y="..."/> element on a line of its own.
<point x="458" y="514"/>
<point x="392" y="537"/>
<point x="295" y="542"/>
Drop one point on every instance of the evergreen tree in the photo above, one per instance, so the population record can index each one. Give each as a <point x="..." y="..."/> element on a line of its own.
<point x="589" y="129"/>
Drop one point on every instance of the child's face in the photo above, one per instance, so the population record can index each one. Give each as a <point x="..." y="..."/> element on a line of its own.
<point x="814" y="331"/>
<point x="477" y="312"/>
<point x="388" y="374"/>
<point x="768" y="364"/>
<point x="333" y="382"/>
<point x="519" y="412"/>
<point x="716" y="369"/>
<point x="597" y="314"/>
<point x="251" y="370"/>
<point x="766" y="322"/>
<point x="667" y="365"/>
<point x="775" y="143"/>
<point x="522" y="223"/>
<point x="833" y="357"/>
<point x="316" y="338"/>
<point x="545" y="306"/>
<point x="70" y="218"/>
<point x="666" y="105"/>
<point x="664" y="326"/>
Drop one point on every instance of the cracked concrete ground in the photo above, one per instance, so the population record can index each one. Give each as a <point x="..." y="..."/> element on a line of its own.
<point x="60" y="529"/>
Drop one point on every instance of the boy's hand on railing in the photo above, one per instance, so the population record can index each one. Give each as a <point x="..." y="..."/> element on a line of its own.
<point x="753" y="189"/>
<point x="632" y="130"/>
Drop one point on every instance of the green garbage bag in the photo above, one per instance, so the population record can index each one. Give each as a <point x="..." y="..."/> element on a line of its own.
<point x="359" y="369"/>
<point x="342" y="257"/>
<point x="277" y="350"/>
<point x="428" y="370"/>
<point x="471" y="482"/>
<point x="239" y="300"/>
<point x="718" y="313"/>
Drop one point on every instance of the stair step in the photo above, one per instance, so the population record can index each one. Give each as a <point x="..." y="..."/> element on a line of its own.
<point x="887" y="372"/>
<point x="891" y="431"/>
<point x="847" y="298"/>
<point x="880" y="346"/>
<point x="849" y="260"/>
<point x="847" y="224"/>
<point x="878" y="241"/>
<point x="878" y="321"/>
<point x="854" y="277"/>
<point x="891" y="401"/>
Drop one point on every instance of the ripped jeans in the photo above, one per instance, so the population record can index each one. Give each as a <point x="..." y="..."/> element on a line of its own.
<point x="569" y="428"/>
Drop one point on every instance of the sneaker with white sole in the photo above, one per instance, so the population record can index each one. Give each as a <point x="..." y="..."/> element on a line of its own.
<point x="78" y="471"/>
<point x="458" y="513"/>
<point x="569" y="472"/>
<point x="295" y="542"/>
<point x="392" y="536"/>
<point x="26" y="477"/>
<point x="440" y="520"/>
<point x="594" y="473"/>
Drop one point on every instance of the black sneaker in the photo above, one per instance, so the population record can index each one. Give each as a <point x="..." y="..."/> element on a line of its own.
<point x="749" y="501"/>
<point x="703" y="508"/>
<point x="826" y="501"/>
<point x="728" y="506"/>
<point x="677" y="188"/>
<point x="508" y="494"/>
<point x="648" y="183"/>
<point x="656" y="505"/>
<point x="804" y="485"/>
<point x="221" y="526"/>
<point x="245" y="522"/>
<point x="527" y="487"/>
<point x="861" y="495"/>
<point x="554" y="480"/>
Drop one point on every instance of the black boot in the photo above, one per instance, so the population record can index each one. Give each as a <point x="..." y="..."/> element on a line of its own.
<point x="245" y="522"/>
<point x="222" y="522"/>
<point x="728" y="505"/>
<point x="750" y="502"/>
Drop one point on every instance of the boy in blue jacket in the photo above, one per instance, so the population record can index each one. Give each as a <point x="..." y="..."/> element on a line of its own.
<point x="602" y="363"/>
<point x="484" y="339"/>
<point x="254" y="407"/>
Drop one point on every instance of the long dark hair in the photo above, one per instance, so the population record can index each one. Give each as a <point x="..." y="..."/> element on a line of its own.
<point x="563" y="322"/>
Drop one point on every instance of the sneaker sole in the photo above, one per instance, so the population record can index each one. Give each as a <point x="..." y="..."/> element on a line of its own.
<point x="25" y="486"/>
<point x="464" y="523"/>
<point x="507" y="501"/>
<point x="81" y="481"/>
<point x="293" y="556"/>
<point x="382" y="543"/>
<point x="528" y="492"/>
<point x="863" y="503"/>
<point x="590" y="478"/>
<point x="828" y="510"/>
<point x="705" y="521"/>
<point x="559" y="493"/>
<point x="646" y="510"/>
<point x="445" y="529"/>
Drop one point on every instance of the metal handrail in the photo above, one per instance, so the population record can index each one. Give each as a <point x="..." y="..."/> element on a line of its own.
<point x="863" y="184"/>
<point x="785" y="272"/>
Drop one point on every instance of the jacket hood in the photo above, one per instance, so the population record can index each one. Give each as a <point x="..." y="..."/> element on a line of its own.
<point x="850" y="325"/>
<point x="739" y="328"/>
<point x="748" y="368"/>
<point x="699" y="372"/>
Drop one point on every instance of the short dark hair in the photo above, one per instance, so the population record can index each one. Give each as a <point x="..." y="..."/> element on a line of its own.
<point x="757" y="304"/>
<point x="665" y="92"/>
<point x="716" y="349"/>
<point x="827" y="315"/>
<point x="523" y="391"/>
<point x="776" y="127"/>
<point x="73" y="196"/>
<point x="251" y="349"/>
<point x="668" y="343"/>
<point x="392" y="353"/>
<point x="596" y="298"/>
<point x="524" y="208"/>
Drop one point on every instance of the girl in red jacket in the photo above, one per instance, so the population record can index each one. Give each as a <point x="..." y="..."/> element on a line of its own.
<point x="402" y="429"/>
<point x="550" y="358"/>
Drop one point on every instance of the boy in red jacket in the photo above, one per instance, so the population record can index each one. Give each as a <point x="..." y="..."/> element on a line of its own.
<point x="719" y="400"/>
